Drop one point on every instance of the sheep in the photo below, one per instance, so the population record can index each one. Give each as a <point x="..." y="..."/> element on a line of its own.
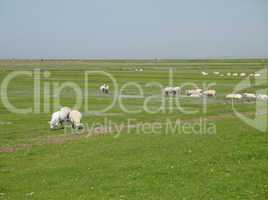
<point x="195" y="95"/>
<point x="216" y="73"/>
<point x="249" y="96"/>
<point x="228" y="74"/>
<point x="176" y="90"/>
<point x="104" y="88"/>
<point x="193" y="92"/>
<point x="211" y="93"/>
<point x="233" y="96"/>
<point x="204" y="73"/>
<point x="75" y="118"/>
<point x="167" y="90"/>
<point x="58" y="118"/>
<point x="66" y="110"/>
<point x="262" y="97"/>
<point x="242" y="74"/>
<point x="171" y="90"/>
<point x="257" y="75"/>
<point x="235" y="74"/>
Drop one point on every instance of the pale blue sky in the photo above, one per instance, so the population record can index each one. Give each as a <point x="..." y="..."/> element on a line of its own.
<point x="133" y="29"/>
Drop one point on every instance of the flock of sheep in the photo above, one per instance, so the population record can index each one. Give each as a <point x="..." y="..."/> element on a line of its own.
<point x="65" y="114"/>
<point x="232" y="74"/>
<point x="172" y="91"/>
<point x="248" y="96"/>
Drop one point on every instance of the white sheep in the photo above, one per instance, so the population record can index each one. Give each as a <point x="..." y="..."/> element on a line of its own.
<point x="66" y="110"/>
<point x="172" y="90"/>
<point x="194" y="92"/>
<point x="167" y="90"/>
<point x="233" y="96"/>
<point x="211" y="93"/>
<point x="249" y="96"/>
<point x="57" y="119"/>
<point x="262" y="97"/>
<point x="176" y="90"/>
<point x="104" y="88"/>
<point x="204" y="73"/>
<point x="196" y="95"/>
<point x="75" y="118"/>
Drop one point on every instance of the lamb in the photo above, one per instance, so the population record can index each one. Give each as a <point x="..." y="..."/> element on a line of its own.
<point x="75" y="118"/>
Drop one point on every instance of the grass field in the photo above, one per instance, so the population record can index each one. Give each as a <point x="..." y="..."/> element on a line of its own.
<point x="37" y="163"/>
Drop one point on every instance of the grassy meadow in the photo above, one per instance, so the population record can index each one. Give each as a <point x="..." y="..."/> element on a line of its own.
<point x="131" y="163"/>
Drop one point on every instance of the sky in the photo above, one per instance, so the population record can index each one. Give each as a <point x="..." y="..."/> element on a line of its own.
<point x="133" y="28"/>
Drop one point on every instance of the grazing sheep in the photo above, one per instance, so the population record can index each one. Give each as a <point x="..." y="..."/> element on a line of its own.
<point x="176" y="90"/>
<point x="58" y="118"/>
<point x="210" y="93"/>
<point x="235" y="74"/>
<point x="257" y="75"/>
<point x="104" y="88"/>
<point x="228" y="74"/>
<point x="234" y="96"/>
<point x="216" y="73"/>
<point x="242" y="74"/>
<point x="195" y="95"/>
<point x="66" y="110"/>
<point x="172" y="91"/>
<point x="262" y="97"/>
<point x="167" y="90"/>
<point x="75" y="118"/>
<point x="249" y="96"/>
<point x="193" y="92"/>
<point x="204" y="73"/>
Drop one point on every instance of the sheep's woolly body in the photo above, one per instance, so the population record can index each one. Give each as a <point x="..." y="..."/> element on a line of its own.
<point x="210" y="93"/>
<point x="75" y="118"/>
<point x="57" y="118"/>
<point x="67" y="111"/>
